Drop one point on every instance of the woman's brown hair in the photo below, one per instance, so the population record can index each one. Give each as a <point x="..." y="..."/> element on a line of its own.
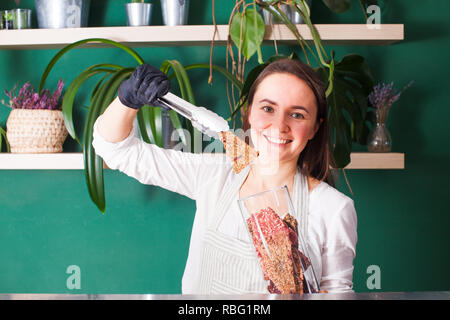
<point x="315" y="159"/>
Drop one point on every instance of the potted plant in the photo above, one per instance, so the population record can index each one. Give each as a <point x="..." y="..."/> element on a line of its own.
<point x="175" y="12"/>
<point x="35" y="125"/>
<point x="53" y="14"/>
<point x="138" y="13"/>
<point x="149" y="118"/>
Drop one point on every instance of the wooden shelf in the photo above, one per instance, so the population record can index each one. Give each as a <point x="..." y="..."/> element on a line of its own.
<point x="367" y="160"/>
<point x="74" y="161"/>
<point x="359" y="34"/>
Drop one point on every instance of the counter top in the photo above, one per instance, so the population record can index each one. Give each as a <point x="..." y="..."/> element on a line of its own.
<point x="429" y="295"/>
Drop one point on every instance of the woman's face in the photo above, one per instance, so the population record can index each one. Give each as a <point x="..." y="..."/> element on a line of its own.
<point x="282" y="117"/>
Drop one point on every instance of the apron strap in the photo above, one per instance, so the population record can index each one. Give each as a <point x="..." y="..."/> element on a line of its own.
<point x="301" y="203"/>
<point x="229" y="192"/>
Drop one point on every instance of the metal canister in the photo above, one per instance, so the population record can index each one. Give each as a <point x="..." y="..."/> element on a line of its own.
<point x="54" y="14"/>
<point x="175" y="12"/>
<point x="138" y="14"/>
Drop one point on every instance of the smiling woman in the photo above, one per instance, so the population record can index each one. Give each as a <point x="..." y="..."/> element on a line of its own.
<point x="288" y="121"/>
<point x="287" y="102"/>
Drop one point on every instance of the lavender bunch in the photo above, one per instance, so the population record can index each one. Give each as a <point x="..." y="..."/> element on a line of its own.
<point x="383" y="97"/>
<point x="29" y="99"/>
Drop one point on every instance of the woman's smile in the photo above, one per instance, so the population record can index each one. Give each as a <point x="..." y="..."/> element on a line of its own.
<point x="277" y="141"/>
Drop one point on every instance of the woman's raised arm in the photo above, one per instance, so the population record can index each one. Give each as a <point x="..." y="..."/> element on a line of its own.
<point x="116" y="122"/>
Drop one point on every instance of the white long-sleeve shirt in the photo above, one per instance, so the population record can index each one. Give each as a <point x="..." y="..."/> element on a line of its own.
<point x="332" y="222"/>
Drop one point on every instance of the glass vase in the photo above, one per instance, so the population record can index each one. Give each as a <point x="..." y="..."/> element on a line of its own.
<point x="380" y="139"/>
<point x="280" y="246"/>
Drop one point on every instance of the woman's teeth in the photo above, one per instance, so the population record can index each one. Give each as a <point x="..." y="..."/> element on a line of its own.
<point x="277" y="141"/>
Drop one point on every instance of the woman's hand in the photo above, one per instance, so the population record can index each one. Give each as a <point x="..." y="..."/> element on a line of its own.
<point x="145" y="85"/>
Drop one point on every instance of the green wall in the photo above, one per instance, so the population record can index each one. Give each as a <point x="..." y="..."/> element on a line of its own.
<point x="48" y="222"/>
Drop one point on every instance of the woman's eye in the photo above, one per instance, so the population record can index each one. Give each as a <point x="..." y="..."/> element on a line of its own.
<point x="298" y="116"/>
<point x="267" y="109"/>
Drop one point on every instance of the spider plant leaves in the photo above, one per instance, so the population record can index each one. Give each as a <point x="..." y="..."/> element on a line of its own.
<point x="72" y="90"/>
<point x="3" y="136"/>
<point x="69" y="47"/>
<point x="146" y="117"/>
<point x="228" y="75"/>
<point x="182" y="77"/>
<point x="186" y="94"/>
<point x="101" y="96"/>
<point x="338" y="6"/>
<point x="247" y="32"/>
<point x="93" y="163"/>
<point x="103" y="93"/>
<point x="151" y="117"/>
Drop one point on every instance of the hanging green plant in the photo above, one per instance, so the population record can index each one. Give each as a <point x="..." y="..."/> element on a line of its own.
<point x="348" y="81"/>
<point x="247" y="32"/>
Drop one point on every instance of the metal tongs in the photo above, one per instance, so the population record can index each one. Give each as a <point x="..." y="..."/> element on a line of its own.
<point x="204" y="120"/>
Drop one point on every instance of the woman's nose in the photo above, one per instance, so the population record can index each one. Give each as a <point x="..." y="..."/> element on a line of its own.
<point x="280" y="123"/>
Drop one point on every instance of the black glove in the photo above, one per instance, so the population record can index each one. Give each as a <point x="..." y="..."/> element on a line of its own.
<point x="145" y="85"/>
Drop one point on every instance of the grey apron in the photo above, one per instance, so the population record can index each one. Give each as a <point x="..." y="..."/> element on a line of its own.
<point x="230" y="265"/>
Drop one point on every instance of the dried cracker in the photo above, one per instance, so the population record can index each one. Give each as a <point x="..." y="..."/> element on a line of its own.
<point x="239" y="152"/>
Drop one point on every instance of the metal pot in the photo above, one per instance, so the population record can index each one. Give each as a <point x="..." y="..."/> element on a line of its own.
<point x="175" y="12"/>
<point x="6" y="19"/>
<point x="55" y="14"/>
<point x="22" y="18"/>
<point x="292" y="14"/>
<point x="269" y="18"/>
<point x="138" y="14"/>
<point x="296" y="18"/>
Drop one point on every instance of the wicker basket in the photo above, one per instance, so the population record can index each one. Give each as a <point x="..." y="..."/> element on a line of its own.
<point x="35" y="131"/>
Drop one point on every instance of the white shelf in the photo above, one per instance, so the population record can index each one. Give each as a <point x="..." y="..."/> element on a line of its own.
<point x="194" y="35"/>
<point x="74" y="161"/>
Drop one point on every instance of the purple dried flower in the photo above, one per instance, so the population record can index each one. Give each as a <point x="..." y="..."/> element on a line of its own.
<point x="383" y="97"/>
<point x="15" y="102"/>
<point x="58" y="90"/>
<point x="29" y="99"/>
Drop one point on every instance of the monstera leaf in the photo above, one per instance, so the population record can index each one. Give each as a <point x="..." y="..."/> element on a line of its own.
<point x="348" y="105"/>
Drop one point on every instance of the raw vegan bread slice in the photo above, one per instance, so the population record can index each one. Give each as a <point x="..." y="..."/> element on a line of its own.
<point x="276" y="244"/>
<point x="240" y="153"/>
